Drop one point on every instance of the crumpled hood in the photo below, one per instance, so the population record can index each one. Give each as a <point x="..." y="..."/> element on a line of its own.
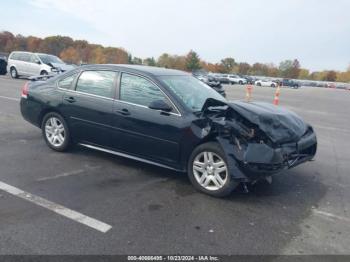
<point x="278" y="123"/>
<point x="62" y="67"/>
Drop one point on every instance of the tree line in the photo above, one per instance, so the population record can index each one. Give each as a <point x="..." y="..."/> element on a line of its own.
<point x="83" y="52"/>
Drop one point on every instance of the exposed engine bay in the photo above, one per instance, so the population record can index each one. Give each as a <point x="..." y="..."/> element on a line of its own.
<point x="259" y="139"/>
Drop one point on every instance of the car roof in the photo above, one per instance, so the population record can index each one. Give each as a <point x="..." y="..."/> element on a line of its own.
<point x="43" y="54"/>
<point x="25" y="52"/>
<point x="139" y="69"/>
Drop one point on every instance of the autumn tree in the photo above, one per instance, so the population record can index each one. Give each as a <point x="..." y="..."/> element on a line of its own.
<point x="344" y="76"/>
<point x="149" y="61"/>
<point x="70" y="55"/>
<point x="76" y="51"/>
<point x="289" y="68"/>
<point x="33" y="44"/>
<point x="98" y="57"/>
<point x="304" y="73"/>
<point x="6" y="41"/>
<point x="55" y="44"/>
<point x="330" y="76"/>
<point x="258" y="69"/>
<point x="136" y="61"/>
<point x="115" y="55"/>
<point x="165" y="60"/>
<point x="271" y="70"/>
<point x="192" y="61"/>
<point x="243" y="68"/>
<point x="228" y="63"/>
<point x="84" y="49"/>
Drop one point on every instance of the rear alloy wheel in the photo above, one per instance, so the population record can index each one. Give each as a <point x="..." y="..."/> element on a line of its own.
<point x="208" y="170"/>
<point x="55" y="132"/>
<point x="13" y="73"/>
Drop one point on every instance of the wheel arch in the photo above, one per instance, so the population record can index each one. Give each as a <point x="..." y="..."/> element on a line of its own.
<point x="43" y="70"/>
<point x="46" y="111"/>
<point x="209" y="138"/>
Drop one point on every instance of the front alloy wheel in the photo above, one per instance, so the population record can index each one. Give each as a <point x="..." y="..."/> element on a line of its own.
<point x="55" y="132"/>
<point x="209" y="172"/>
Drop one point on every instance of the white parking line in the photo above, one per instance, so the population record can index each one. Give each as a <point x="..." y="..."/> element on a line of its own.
<point x="71" y="173"/>
<point x="66" y="212"/>
<point x="330" y="215"/>
<point x="331" y="128"/>
<point x="10" y="98"/>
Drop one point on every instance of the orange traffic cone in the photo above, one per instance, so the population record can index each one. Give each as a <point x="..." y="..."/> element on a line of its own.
<point x="248" y="95"/>
<point x="277" y="95"/>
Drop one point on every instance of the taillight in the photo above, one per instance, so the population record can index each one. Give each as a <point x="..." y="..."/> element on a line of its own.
<point x="25" y="90"/>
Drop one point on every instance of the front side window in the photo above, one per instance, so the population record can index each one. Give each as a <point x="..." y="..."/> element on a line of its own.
<point x="140" y="91"/>
<point x="34" y="59"/>
<point x="190" y="90"/>
<point x="100" y="83"/>
<point x="66" y="83"/>
<point x="47" y="59"/>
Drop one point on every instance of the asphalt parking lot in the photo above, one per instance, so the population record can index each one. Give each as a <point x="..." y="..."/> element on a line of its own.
<point x="151" y="210"/>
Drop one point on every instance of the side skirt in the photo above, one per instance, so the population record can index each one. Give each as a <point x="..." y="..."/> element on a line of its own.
<point x="129" y="156"/>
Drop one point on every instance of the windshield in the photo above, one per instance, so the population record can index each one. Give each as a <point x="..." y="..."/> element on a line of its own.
<point x="190" y="90"/>
<point x="46" y="59"/>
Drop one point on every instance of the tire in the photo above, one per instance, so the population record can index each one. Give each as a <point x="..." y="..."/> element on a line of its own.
<point x="258" y="84"/>
<point x="240" y="82"/>
<point x="208" y="173"/>
<point x="55" y="132"/>
<point x="44" y="73"/>
<point x="13" y="73"/>
<point x="273" y="85"/>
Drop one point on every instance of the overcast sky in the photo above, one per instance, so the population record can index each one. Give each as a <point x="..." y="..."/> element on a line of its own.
<point x="317" y="32"/>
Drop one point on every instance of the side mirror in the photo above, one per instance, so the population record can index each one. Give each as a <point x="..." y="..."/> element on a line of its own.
<point x="160" y="105"/>
<point x="37" y="62"/>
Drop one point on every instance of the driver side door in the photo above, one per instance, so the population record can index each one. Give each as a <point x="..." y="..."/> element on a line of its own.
<point x="141" y="131"/>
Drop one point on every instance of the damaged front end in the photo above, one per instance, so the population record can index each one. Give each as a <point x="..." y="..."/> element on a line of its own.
<point x="259" y="139"/>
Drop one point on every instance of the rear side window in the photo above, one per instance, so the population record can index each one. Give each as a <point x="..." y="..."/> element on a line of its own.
<point x="14" y="56"/>
<point x="100" y="83"/>
<point x="140" y="91"/>
<point x="67" y="82"/>
<point x="24" y="57"/>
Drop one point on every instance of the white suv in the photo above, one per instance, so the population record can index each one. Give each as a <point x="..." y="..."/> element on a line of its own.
<point x="32" y="64"/>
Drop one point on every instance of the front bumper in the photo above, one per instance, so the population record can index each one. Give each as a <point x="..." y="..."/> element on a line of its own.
<point x="256" y="161"/>
<point x="261" y="160"/>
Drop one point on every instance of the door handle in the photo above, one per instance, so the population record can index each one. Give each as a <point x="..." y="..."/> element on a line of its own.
<point x="70" y="99"/>
<point x="123" y="111"/>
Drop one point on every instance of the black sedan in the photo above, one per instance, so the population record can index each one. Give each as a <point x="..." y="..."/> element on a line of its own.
<point x="170" y="119"/>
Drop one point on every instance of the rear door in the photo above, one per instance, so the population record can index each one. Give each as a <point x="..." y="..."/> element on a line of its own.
<point x="22" y="63"/>
<point x="88" y="107"/>
<point x="33" y="65"/>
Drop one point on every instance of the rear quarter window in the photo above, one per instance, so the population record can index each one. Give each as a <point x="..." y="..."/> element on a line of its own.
<point x="67" y="82"/>
<point x="100" y="83"/>
<point x="14" y="56"/>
